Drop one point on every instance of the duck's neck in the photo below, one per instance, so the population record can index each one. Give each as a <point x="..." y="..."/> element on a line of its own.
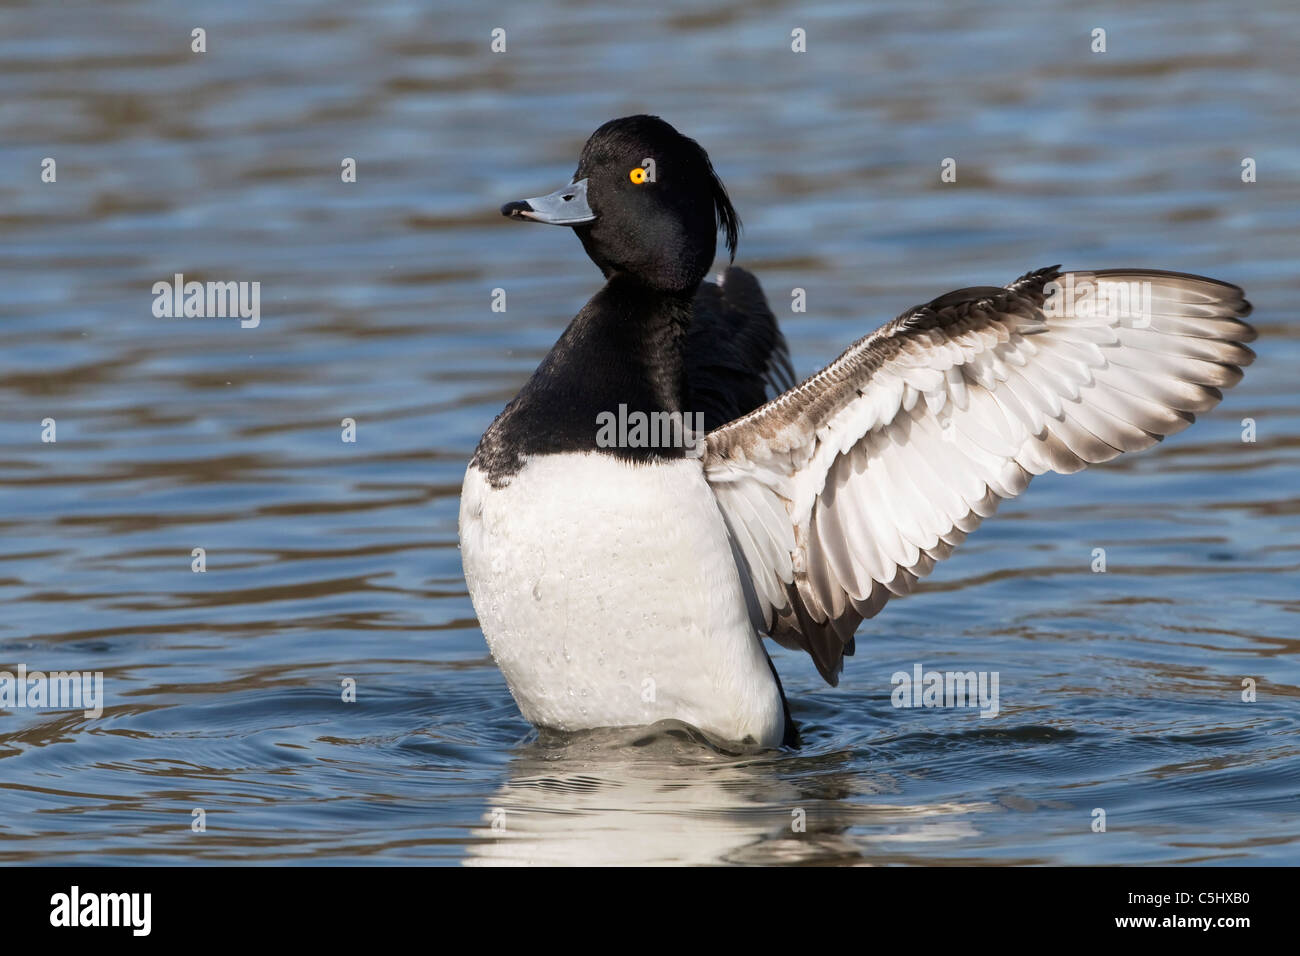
<point x="643" y="330"/>
<point x="623" y="358"/>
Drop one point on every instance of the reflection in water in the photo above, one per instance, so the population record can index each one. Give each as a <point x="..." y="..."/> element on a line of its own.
<point x="664" y="795"/>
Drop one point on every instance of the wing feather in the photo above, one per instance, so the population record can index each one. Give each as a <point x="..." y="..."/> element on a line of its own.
<point x="846" y="489"/>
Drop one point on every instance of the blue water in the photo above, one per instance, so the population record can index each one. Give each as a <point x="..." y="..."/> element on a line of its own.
<point x="328" y="560"/>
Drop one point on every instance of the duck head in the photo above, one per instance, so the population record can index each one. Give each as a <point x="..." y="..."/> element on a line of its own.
<point x="645" y="202"/>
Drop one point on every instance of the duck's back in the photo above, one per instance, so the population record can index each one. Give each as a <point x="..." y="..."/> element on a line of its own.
<point x="736" y="356"/>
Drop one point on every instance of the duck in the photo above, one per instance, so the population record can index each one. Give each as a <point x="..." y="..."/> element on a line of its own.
<point x="662" y="496"/>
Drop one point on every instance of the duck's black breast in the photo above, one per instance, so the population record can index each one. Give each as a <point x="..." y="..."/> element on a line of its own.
<point x="622" y="354"/>
<point x="712" y="359"/>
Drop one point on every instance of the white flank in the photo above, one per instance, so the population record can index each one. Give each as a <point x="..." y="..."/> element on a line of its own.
<point x="610" y="597"/>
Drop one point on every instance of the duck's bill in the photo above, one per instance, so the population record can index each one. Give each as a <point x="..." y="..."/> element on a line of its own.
<point x="564" y="207"/>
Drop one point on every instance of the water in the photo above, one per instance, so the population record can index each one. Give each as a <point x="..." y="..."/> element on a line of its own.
<point x="328" y="560"/>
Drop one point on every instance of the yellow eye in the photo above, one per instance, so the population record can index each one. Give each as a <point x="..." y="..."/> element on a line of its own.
<point x="638" y="175"/>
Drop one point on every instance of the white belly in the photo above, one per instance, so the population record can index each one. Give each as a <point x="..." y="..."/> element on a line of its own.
<point x="609" y="597"/>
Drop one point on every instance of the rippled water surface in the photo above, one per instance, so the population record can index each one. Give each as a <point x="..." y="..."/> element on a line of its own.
<point x="328" y="560"/>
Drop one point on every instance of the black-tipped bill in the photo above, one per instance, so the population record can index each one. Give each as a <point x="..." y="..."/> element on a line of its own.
<point x="564" y="207"/>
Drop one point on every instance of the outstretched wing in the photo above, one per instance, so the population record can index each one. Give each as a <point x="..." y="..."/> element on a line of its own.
<point x="846" y="489"/>
<point x="736" y="356"/>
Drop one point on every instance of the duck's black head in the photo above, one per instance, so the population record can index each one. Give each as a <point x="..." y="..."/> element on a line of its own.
<point x="645" y="202"/>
